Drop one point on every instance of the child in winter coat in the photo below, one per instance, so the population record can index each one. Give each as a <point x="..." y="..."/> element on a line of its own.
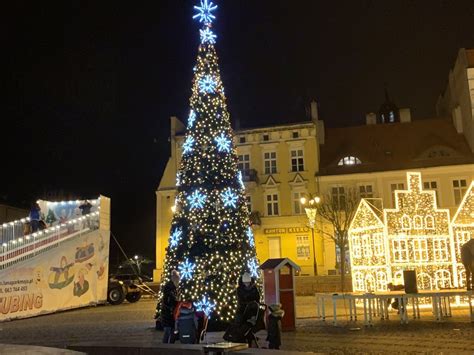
<point x="274" y="326"/>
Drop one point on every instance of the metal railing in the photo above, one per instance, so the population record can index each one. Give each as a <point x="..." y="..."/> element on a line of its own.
<point x="16" y="247"/>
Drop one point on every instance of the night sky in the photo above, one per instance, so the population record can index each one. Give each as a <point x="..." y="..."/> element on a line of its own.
<point x="90" y="85"/>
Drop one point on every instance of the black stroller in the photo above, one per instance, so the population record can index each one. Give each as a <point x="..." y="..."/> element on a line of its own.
<point x="191" y="325"/>
<point x="245" y="327"/>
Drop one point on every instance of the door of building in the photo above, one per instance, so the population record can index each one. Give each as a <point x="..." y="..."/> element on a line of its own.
<point x="274" y="248"/>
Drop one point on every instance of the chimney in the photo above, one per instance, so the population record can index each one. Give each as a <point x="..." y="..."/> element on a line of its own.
<point x="314" y="111"/>
<point x="405" y="115"/>
<point x="370" y="118"/>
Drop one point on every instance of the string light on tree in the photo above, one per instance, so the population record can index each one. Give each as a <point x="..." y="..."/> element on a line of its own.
<point x="250" y="236"/>
<point x="213" y="250"/>
<point x="241" y="180"/>
<point x="223" y="143"/>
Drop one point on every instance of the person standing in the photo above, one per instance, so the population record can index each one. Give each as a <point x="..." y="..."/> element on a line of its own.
<point x="274" y="326"/>
<point x="247" y="293"/>
<point x="35" y="217"/>
<point x="85" y="208"/>
<point x="168" y="305"/>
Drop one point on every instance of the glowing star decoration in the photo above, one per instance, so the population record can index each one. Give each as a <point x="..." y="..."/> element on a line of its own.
<point x="240" y="179"/>
<point x="197" y="200"/>
<point x="250" y="236"/>
<point x="229" y="198"/>
<point x="207" y="36"/>
<point x="176" y="237"/>
<point x="191" y="118"/>
<point x="207" y="84"/>
<point x="188" y="145"/>
<point x="204" y="12"/>
<point x="253" y="268"/>
<point x="186" y="270"/>
<point x="223" y="143"/>
<point x="206" y="306"/>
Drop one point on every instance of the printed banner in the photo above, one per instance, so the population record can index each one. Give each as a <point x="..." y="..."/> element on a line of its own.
<point x="70" y="275"/>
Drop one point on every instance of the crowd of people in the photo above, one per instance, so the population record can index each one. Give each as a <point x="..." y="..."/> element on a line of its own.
<point x="178" y="324"/>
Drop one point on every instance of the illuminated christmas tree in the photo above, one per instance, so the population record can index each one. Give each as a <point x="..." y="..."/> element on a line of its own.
<point x="211" y="242"/>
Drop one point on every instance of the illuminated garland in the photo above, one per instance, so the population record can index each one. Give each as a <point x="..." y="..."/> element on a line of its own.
<point x="211" y="243"/>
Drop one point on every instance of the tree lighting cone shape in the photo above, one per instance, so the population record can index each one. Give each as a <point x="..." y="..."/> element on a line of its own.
<point x="211" y="242"/>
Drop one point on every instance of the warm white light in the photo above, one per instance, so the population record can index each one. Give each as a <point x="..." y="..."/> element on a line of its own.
<point x="303" y="200"/>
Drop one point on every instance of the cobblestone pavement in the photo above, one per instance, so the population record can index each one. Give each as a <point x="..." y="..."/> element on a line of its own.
<point x="133" y="323"/>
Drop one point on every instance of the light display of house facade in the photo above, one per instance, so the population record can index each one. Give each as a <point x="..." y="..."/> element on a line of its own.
<point x="415" y="235"/>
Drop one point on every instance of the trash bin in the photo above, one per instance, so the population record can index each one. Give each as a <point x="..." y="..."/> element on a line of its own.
<point x="409" y="280"/>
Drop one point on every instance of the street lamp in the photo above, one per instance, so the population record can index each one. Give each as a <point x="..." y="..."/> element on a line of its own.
<point x="310" y="205"/>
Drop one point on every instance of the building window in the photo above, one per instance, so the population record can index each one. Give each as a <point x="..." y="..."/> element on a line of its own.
<point x="297" y="207"/>
<point x="266" y="137"/>
<point x="429" y="222"/>
<point x="296" y="134"/>
<point x="297" y="160"/>
<point x="393" y="188"/>
<point x="378" y="244"/>
<point x="338" y="196"/>
<point x="356" y="247"/>
<point x="424" y="281"/>
<point x="359" y="281"/>
<point x="400" y="250"/>
<point x="366" y="247"/>
<point x="417" y="222"/>
<point x="381" y="281"/>
<point x="420" y="250"/>
<point x="440" y="249"/>
<point x="432" y="185"/>
<point x="302" y="247"/>
<point x="244" y="162"/>
<point x="248" y="203"/>
<point x="349" y="160"/>
<point x="270" y="162"/>
<point x="459" y="189"/>
<point x="242" y="139"/>
<point x="406" y="222"/>
<point x="366" y="191"/>
<point x="442" y="279"/>
<point x="462" y="237"/>
<point x="272" y="205"/>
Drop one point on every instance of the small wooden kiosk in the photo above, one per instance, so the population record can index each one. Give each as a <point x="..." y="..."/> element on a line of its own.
<point x="279" y="287"/>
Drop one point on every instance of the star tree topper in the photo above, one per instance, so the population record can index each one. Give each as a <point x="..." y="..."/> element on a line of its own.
<point x="204" y="12"/>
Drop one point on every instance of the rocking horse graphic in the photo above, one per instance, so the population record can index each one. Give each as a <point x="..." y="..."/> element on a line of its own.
<point x="467" y="258"/>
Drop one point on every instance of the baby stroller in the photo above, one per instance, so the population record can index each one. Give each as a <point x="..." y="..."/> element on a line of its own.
<point x="190" y="325"/>
<point x="245" y="327"/>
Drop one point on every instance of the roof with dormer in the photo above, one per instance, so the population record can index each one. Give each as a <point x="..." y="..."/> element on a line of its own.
<point x="395" y="146"/>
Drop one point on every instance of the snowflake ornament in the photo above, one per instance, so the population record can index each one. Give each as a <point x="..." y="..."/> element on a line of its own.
<point x="186" y="270"/>
<point x="223" y="143"/>
<point x="207" y="84"/>
<point x="188" y="145"/>
<point x="229" y="198"/>
<point x="176" y="237"/>
<point x="207" y="36"/>
<point x="250" y="236"/>
<point x="197" y="200"/>
<point x="206" y="306"/>
<point x="191" y="118"/>
<point x="204" y="12"/>
<point x="240" y="180"/>
<point x="253" y="267"/>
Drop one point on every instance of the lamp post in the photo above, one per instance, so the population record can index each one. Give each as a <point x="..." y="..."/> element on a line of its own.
<point x="310" y="205"/>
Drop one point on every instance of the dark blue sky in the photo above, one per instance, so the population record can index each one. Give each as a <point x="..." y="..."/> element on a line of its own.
<point x="91" y="85"/>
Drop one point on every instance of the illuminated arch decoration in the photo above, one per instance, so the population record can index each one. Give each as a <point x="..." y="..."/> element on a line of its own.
<point x="416" y="234"/>
<point x="349" y="160"/>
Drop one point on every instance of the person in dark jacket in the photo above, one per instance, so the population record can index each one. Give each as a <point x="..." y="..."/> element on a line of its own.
<point x="168" y="305"/>
<point x="274" y="326"/>
<point x="247" y="293"/>
<point x="35" y="217"/>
